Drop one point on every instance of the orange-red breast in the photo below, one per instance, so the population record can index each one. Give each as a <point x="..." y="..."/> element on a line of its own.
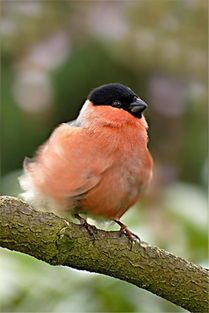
<point x="99" y="163"/>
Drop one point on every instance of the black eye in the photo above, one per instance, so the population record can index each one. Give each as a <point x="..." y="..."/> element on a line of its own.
<point x="116" y="103"/>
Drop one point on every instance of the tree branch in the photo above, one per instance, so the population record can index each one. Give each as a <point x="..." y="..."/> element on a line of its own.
<point x="59" y="242"/>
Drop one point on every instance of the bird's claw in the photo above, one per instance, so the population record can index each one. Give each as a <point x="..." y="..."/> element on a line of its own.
<point x="124" y="231"/>
<point x="131" y="236"/>
<point x="90" y="228"/>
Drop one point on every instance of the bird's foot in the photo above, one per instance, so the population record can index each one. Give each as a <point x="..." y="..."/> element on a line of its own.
<point x="90" y="228"/>
<point x="124" y="231"/>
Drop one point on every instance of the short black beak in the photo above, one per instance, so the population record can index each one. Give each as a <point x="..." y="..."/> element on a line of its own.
<point x="137" y="106"/>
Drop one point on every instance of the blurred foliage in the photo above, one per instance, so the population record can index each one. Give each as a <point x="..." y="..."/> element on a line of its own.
<point x="53" y="54"/>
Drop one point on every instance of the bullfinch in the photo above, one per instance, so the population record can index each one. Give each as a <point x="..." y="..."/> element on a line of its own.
<point x="98" y="164"/>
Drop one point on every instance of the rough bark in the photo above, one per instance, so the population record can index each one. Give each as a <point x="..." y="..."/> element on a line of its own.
<point x="58" y="242"/>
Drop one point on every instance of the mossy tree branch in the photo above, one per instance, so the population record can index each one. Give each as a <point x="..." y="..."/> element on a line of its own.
<point x="58" y="242"/>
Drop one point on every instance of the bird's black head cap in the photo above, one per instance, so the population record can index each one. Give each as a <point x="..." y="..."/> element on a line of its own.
<point x="118" y="96"/>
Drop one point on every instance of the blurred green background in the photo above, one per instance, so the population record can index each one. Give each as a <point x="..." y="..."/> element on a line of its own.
<point x="53" y="54"/>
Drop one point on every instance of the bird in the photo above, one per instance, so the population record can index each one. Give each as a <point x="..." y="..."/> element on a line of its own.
<point x="98" y="164"/>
